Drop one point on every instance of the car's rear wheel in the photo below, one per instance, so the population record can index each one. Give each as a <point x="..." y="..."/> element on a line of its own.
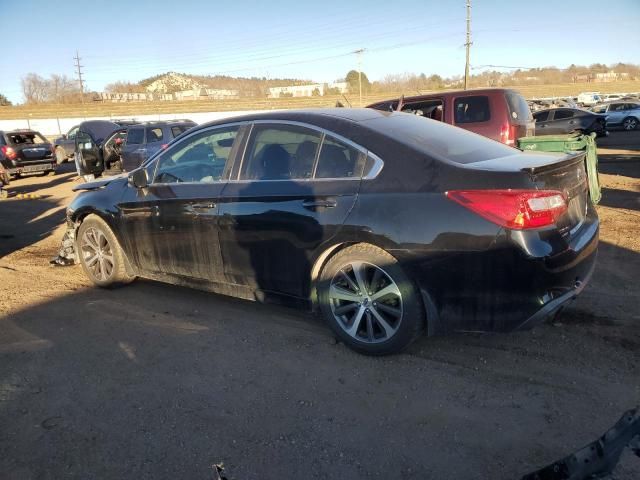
<point x="100" y="254"/>
<point x="630" y="123"/>
<point x="369" y="301"/>
<point x="61" y="155"/>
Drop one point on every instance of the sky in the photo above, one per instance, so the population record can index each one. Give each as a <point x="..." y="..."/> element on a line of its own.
<point x="130" y="40"/>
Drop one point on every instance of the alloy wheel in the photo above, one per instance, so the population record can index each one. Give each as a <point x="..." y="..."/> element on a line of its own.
<point x="97" y="254"/>
<point x="630" y="124"/>
<point x="366" y="302"/>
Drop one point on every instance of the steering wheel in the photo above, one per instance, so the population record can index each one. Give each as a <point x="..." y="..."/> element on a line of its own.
<point x="170" y="176"/>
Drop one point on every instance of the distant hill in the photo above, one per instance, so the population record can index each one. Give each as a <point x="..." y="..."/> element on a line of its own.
<point x="172" y="82"/>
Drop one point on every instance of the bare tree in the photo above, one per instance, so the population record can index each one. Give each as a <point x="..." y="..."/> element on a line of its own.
<point x="34" y="88"/>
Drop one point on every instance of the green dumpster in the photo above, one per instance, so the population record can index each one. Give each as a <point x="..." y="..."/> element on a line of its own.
<point x="568" y="144"/>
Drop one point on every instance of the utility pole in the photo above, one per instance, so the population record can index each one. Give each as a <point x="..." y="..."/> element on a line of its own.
<point x="359" y="53"/>
<point x="79" y="71"/>
<point x="468" y="45"/>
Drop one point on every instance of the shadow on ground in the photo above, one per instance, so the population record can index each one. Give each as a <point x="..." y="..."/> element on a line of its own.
<point x="157" y="381"/>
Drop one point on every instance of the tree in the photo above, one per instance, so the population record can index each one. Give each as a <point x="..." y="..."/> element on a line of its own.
<point x="352" y="79"/>
<point x="34" y="88"/>
<point x="4" y="101"/>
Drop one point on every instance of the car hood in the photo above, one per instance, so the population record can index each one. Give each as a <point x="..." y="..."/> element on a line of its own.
<point x="103" y="182"/>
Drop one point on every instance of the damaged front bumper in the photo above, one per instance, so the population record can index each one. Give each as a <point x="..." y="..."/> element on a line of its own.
<point x="67" y="255"/>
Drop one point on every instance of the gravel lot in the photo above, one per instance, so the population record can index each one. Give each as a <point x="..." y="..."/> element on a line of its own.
<point x="157" y="381"/>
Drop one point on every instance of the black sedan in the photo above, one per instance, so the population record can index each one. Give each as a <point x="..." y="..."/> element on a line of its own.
<point x="389" y="224"/>
<point x="558" y="121"/>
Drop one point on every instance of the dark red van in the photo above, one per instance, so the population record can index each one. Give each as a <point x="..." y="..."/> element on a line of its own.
<point x="497" y="113"/>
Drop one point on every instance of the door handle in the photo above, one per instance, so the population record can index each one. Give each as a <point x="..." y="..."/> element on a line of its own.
<point x="326" y="203"/>
<point x="201" y="207"/>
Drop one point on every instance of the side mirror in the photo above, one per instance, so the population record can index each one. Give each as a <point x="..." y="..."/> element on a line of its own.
<point x="64" y="136"/>
<point x="139" y="178"/>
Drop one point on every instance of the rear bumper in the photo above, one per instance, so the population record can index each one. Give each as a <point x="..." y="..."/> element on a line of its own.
<point x="32" y="167"/>
<point x="524" y="279"/>
<point x="552" y="306"/>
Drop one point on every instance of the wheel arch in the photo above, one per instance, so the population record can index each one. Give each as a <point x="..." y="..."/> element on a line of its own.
<point x="431" y="311"/>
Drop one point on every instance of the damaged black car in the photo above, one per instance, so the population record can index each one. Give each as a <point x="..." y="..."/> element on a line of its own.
<point x="389" y="224"/>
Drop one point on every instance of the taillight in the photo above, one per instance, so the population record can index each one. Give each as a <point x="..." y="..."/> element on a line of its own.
<point x="9" y="152"/>
<point x="514" y="209"/>
<point x="508" y="134"/>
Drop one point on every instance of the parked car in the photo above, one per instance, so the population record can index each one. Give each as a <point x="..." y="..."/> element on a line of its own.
<point x="557" y="121"/>
<point x="388" y="223"/>
<point x="145" y="139"/>
<point x="620" y="114"/>
<point x="65" y="145"/>
<point x="496" y="113"/>
<point x="26" y="151"/>
<point x="588" y="99"/>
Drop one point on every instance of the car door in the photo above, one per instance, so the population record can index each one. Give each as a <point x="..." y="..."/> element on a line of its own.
<point x="171" y="227"/>
<point x="542" y="122"/>
<point x="69" y="142"/>
<point x="295" y="188"/>
<point x="88" y="161"/>
<point x="616" y="113"/>
<point x="132" y="150"/>
<point x="563" y="121"/>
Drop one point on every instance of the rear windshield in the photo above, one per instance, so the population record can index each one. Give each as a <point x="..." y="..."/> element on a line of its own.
<point x="28" y="138"/>
<point x="438" y="139"/>
<point x="179" y="130"/>
<point x="518" y="108"/>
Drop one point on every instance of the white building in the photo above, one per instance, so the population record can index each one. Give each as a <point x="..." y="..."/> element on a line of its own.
<point x="298" y="90"/>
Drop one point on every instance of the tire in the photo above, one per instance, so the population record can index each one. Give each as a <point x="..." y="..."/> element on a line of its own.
<point x="347" y="291"/>
<point x="100" y="254"/>
<point x="630" y="123"/>
<point x="61" y="155"/>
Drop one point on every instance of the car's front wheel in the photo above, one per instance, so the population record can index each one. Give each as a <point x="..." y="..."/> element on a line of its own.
<point x="100" y="254"/>
<point x="369" y="301"/>
<point x="630" y="123"/>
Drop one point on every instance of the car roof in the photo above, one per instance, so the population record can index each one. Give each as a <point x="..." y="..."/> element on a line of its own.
<point x="353" y="115"/>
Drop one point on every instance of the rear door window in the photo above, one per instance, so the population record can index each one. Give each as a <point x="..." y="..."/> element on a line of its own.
<point x="178" y="130"/>
<point x="429" y="109"/>
<point x="154" y="134"/>
<point x="541" y="116"/>
<point x="280" y="152"/>
<point x="563" y="114"/>
<point x="135" y="136"/>
<point x="472" y="109"/>
<point x="339" y="160"/>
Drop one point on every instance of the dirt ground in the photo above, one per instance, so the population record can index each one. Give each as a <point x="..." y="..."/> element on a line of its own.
<point x="157" y="381"/>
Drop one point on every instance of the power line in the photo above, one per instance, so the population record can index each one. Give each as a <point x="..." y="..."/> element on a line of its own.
<point x="467" y="45"/>
<point x="79" y="71"/>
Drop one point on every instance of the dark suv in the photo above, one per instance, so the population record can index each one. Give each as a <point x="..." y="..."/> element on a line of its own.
<point x="65" y="145"/>
<point x="145" y="139"/>
<point x="497" y="113"/>
<point x="26" y="151"/>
